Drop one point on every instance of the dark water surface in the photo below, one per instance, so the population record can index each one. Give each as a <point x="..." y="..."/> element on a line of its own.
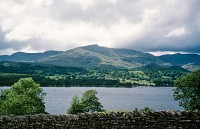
<point x="158" y="98"/>
<point x="58" y="99"/>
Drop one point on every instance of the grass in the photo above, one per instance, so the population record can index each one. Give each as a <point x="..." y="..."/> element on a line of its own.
<point x="140" y="74"/>
<point x="166" y="77"/>
<point x="143" y="82"/>
<point x="12" y="74"/>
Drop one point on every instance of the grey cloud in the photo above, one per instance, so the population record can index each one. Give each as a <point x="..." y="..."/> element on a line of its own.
<point x="147" y="24"/>
<point x="3" y="44"/>
<point x="100" y="13"/>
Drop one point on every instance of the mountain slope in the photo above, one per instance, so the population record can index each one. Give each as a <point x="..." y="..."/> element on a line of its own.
<point x="180" y="59"/>
<point x="97" y="56"/>
<point x="188" y="61"/>
<point x="27" y="57"/>
<point x="94" y="56"/>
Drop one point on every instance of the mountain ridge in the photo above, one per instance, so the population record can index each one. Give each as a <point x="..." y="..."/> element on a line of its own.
<point x="92" y="56"/>
<point x="180" y="59"/>
<point x="27" y="57"/>
<point x="97" y="56"/>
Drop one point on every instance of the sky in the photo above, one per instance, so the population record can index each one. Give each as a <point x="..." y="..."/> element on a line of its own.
<point x="158" y="26"/>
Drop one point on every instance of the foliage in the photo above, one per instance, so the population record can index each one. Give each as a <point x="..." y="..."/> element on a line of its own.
<point x="48" y="75"/>
<point x="146" y="110"/>
<point x="187" y="91"/>
<point x="76" y="106"/>
<point x="24" y="97"/>
<point x="88" y="103"/>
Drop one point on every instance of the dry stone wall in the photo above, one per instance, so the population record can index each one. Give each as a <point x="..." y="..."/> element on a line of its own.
<point x="130" y="120"/>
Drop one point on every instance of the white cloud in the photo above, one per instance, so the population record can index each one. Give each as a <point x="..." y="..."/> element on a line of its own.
<point x="160" y="53"/>
<point x="63" y="24"/>
<point x="113" y="1"/>
<point x="23" y="32"/>
<point x="150" y="15"/>
<point x="7" y="51"/>
<point x="27" y="49"/>
<point x="177" y="32"/>
<point x="77" y="32"/>
<point x="39" y="3"/>
<point x="85" y="4"/>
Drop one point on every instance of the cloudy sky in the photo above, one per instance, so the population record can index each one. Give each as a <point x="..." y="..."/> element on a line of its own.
<point x="146" y="25"/>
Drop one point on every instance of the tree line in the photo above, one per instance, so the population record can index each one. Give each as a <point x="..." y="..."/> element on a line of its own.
<point x="27" y="97"/>
<point x="47" y="75"/>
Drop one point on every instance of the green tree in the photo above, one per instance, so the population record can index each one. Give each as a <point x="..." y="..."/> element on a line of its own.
<point x="24" y="97"/>
<point x="88" y="103"/>
<point x="76" y="106"/>
<point x="187" y="91"/>
<point x="91" y="102"/>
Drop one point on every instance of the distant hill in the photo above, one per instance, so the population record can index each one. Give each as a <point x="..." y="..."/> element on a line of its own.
<point x="97" y="56"/>
<point x="192" y="66"/>
<point x="94" y="56"/>
<point x="180" y="59"/>
<point x="153" y="66"/>
<point x="28" y="57"/>
<point x="187" y="61"/>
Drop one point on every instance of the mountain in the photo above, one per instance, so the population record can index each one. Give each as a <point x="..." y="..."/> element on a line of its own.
<point x="94" y="56"/>
<point x="180" y="59"/>
<point x="97" y="56"/>
<point x="187" y="61"/>
<point x="28" y="57"/>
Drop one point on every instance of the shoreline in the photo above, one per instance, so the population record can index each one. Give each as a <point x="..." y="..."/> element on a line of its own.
<point x="101" y="86"/>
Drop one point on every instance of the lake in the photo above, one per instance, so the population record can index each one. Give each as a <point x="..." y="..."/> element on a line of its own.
<point x="158" y="98"/>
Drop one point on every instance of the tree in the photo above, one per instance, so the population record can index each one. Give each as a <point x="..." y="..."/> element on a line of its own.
<point x="187" y="91"/>
<point x="24" y="97"/>
<point x="76" y="106"/>
<point x="88" y="103"/>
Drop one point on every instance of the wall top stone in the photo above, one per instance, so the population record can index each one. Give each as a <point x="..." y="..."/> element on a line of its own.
<point x="114" y="120"/>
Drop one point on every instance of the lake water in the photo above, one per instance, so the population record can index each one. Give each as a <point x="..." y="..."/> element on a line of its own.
<point x="158" y="98"/>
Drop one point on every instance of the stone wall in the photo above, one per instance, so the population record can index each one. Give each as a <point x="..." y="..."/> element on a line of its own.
<point x="130" y="120"/>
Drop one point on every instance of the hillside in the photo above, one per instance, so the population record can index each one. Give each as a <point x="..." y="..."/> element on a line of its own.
<point x="94" y="56"/>
<point x="97" y="56"/>
<point x="88" y="66"/>
<point x="187" y="61"/>
<point x="180" y="59"/>
<point x="27" y="57"/>
<point x="50" y="75"/>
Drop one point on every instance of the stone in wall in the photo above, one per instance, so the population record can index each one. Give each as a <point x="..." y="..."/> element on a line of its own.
<point x="114" y="120"/>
